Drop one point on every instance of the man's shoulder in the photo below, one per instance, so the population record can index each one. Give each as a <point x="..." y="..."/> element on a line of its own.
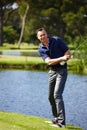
<point x="55" y="39"/>
<point x="42" y="48"/>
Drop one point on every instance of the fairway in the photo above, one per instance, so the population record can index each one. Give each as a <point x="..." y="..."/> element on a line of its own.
<point x="14" y="121"/>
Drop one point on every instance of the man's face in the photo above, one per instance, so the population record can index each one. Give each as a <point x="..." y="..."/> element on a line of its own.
<point x="42" y="36"/>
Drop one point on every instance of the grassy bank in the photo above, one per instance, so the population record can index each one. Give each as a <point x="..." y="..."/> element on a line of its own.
<point x="22" y="62"/>
<point x="24" y="46"/>
<point x="36" y="63"/>
<point x="14" y="121"/>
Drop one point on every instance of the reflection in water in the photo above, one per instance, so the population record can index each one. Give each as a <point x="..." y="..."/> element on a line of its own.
<point x="18" y="53"/>
<point x="27" y="92"/>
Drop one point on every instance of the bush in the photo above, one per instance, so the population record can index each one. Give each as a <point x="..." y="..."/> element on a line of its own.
<point x="10" y="34"/>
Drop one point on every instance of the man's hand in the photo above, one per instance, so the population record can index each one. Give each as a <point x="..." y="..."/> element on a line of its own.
<point x="65" y="57"/>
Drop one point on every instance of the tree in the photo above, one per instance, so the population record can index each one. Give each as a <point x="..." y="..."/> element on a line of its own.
<point x="73" y="17"/>
<point x="1" y="25"/>
<point x="65" y="17"/>
<point x="23" y="13"/>
<point x="46" y="14"/>
<point x="5" y="5"/>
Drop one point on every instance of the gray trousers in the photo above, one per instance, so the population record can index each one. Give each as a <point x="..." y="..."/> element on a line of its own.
<point x="57" y="81"/>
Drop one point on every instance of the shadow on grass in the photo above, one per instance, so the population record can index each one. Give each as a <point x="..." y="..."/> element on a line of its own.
<point x="71" y="127"/>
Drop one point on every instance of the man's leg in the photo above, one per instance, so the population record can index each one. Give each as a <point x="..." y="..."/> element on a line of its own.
<point x="52" y="81"/>
<point x="59" y="87"/>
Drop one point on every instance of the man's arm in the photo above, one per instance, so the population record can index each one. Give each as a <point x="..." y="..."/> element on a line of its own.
<point x="67" y="53"/>
<point x="55" y="61"/>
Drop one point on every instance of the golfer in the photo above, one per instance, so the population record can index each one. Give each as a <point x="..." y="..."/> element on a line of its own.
<point x="55" y="53"/>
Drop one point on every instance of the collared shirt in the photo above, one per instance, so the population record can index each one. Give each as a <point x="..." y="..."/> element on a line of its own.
<point x="56" y="48"/>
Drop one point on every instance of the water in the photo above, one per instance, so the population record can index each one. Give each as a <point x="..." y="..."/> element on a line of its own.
<point x="26" y="92"/>
<point x="18" y="53"/>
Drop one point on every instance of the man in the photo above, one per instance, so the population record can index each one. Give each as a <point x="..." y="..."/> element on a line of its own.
<point x="55" y="53"/>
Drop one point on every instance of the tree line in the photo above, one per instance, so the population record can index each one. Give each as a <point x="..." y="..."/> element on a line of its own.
<point x="19" y="19"/>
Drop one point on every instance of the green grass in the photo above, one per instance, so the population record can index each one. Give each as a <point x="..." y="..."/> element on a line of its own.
<point x="14" y="121"/>
<point x="20" y="59"/>
<point x="24" y="46"/>
<point x="76" y="64"/>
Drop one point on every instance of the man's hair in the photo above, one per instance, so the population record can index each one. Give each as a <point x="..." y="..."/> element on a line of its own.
<point x="40" y="29"/>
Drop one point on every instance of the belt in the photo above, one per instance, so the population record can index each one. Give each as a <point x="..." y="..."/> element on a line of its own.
<point x="57" y="68"/>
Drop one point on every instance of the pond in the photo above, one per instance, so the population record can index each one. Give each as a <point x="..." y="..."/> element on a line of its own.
<point x="26" y="92"/>
<point x="19" y="53"/>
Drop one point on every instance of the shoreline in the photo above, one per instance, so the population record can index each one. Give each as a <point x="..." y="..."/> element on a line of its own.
<point x="11" y="120"/>
<point x="39" y="67"/>
<point x="36" y="63"/>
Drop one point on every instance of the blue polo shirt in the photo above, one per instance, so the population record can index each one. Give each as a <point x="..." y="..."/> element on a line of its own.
<point x="56" y="48"/>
